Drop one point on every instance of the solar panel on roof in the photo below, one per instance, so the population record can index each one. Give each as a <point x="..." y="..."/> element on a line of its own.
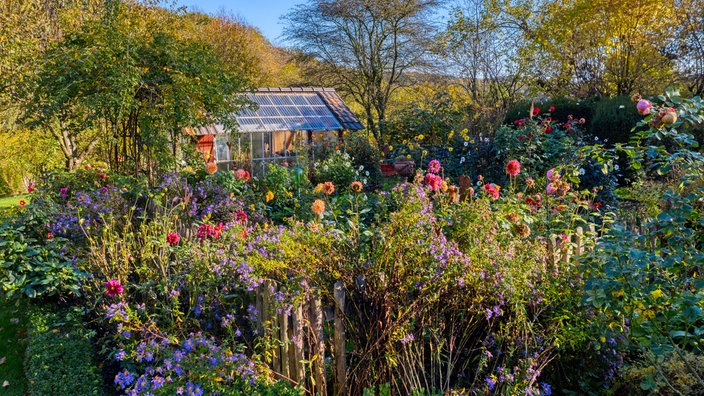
<point x="299" y="100"/>
<point x="261" y="99"/>
<point x="330" y="122"/>
<point x="281" y="100"/>
<point x="322" y="111"/>
<point x="247" y="121"/>
<point x="250" y="124"/>
<point x="269" y="111"/>
<point x="287" y="111"/>
<point x="315" y="123"/>
<point x="307" y="111"/>
<point x="314" y="100"/>
<point x="298" y="123"/>
<point x="246" y="113"/>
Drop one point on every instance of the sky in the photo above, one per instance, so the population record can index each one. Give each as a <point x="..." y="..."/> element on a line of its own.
<point x="263" y="14"/>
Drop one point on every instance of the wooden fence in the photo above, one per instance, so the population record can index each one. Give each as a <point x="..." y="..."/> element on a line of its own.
<point x="563" y="249"/>
<point x="299" y="353"/>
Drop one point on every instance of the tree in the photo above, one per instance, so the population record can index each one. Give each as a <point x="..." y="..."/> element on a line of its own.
<point x="364" y="48"/>
<point x="606" y="47"/>
<point x="688" y="49"/>
<point x="130" y="84"/>
<point x="27" y="28"/>
<point x="243" y="49"/>
<point x="482" y="45"/>
<point x="25" y="154"/>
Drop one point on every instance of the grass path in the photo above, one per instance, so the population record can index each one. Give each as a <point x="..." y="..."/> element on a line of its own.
<point x="13" y="342"/>
<point x="11" y="200"/>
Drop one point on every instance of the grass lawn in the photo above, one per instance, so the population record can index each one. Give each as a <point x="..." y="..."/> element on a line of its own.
<point x="13" y="341"/>
<point x="11" y="200"/>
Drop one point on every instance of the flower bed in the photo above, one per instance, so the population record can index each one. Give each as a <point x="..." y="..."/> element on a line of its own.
<point x="197" y="284"/>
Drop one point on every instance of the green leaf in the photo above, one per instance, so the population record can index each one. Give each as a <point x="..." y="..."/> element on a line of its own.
<point x="649" y="383"/>
<point x="665" y="217"/>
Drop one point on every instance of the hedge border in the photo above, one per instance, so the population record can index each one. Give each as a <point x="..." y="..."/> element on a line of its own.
<point x="59" y="357"/>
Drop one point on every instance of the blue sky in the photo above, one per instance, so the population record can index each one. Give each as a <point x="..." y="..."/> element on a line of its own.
<point x="263" y="14"/>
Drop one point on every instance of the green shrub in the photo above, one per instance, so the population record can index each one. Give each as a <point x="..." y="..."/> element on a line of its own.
<point x="33" y="269"/>
<point x="59" y="356"/>
<point x="538" y="143"/>
<point x="282" y="190"/>
<point x="646" y="283"/>
<point x="613" y="119"/>
<point x="676" y="378"/>
<point x="366" y="156"/>
<point x="338" y="168"/>
<point x="434" y="120"/>
<point x="564" y="107"/>
<point x="13" y="322"/>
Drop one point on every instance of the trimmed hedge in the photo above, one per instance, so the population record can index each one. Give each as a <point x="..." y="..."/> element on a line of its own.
<point x="59" y="357"/>
<point x="613" y="119"/>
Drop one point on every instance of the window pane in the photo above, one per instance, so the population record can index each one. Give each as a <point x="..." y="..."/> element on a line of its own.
<point x="261" y="145"/>
<point x="222" y="151"/>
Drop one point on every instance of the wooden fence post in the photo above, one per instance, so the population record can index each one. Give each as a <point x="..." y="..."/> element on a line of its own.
<point x="261" y="305"/>
<point x="552" y="251"/>
<point x="579" y="241"/>
<point x="566" y="249"/>
<point x="316" y="321"/>
<point x="275" y="332"/>
<point x="340" y="340"/>
<point x="299" y="370"/>
<point x="283" y="335"/>
<point x="653" y="242"/>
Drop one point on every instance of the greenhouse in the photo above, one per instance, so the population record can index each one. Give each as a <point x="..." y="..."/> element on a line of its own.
<point x="284" y="123"/>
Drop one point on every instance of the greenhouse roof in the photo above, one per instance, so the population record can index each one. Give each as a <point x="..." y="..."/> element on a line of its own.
<point x="294" y="109"/>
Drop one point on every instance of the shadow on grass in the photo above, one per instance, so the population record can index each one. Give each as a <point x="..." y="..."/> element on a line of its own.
<point x="13" y="342"/>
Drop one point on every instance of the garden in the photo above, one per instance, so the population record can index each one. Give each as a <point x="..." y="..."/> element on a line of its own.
<point x="551" y="264"/>
<point x="522" y="214"/>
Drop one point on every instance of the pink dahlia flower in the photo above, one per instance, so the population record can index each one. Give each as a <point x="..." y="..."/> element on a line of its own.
<point x="113" y="288"/>
<point x="434" y="166"/>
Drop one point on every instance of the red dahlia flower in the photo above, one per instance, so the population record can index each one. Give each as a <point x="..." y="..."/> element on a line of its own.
<point x="241" y="217"/>
<point x="513" y="167"/>
<point x="492" y="190"/>
<point x="173" y="238"/>
<point x="433" y="181"/>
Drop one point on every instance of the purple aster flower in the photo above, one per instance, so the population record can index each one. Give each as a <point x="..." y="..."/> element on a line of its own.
<point x="157" y="382"/>
<point x="491" y="382"/>
<point x="124" y="379"/>
<point x="545" y="389"/>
